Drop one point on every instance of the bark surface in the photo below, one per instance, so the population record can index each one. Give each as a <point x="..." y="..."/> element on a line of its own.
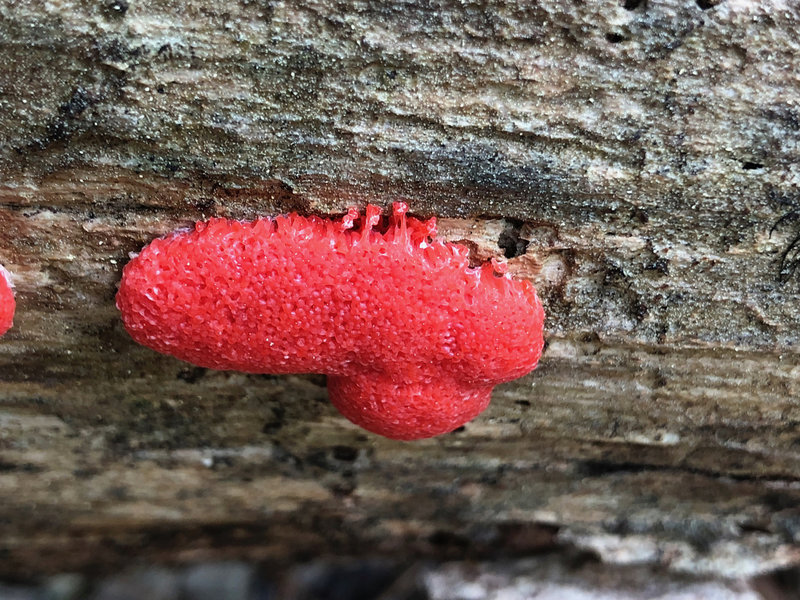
<point x="637" y="160"/>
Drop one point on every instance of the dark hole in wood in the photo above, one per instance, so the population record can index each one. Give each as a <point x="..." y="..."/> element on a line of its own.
<point x="632" y="4"/>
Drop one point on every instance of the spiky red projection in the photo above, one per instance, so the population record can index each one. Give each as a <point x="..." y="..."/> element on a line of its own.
<point x="412" y="338"/>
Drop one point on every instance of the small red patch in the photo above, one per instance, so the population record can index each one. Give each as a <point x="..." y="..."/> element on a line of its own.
<point x="7" y="303"/>
<point x="413" y="339"/>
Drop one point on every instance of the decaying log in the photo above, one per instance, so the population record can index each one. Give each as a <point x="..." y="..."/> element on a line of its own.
<point x="637" y="160"/>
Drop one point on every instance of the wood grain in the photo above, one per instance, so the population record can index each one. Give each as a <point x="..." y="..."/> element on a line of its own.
<point x="638" y="161"/>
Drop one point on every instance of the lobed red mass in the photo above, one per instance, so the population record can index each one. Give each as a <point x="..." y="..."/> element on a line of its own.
<point x="7" y="303"/>
<point x="411" y="337"/>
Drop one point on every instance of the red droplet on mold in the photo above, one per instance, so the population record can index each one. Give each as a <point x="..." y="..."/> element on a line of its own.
<point x="7" y="303"/>
<point x="413" y="339"/>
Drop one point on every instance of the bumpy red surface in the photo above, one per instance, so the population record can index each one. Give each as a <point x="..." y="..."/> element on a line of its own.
<point x="412" y="338"/>
<point x="7" y="303"/>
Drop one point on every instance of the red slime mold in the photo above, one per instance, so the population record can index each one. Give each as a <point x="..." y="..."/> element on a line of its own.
<point x="411" y="337"/>
<point x="7" y="303"/>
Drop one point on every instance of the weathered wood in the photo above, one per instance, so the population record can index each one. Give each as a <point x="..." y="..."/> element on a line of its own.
<point x="637" y="160"/>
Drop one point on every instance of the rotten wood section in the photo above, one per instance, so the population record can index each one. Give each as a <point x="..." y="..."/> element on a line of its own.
<point x="637" y="160"/>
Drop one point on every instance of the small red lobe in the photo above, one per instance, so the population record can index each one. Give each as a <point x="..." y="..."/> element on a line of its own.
<point x="7" y="302"/>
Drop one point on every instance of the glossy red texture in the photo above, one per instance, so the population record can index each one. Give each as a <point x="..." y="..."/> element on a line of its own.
<point x="7" y="303"/>
<point x="412" y="338"/>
